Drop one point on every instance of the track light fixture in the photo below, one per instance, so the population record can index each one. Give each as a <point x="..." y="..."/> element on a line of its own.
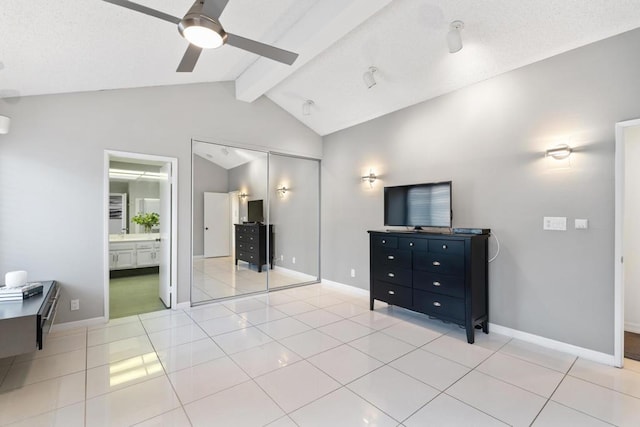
<point x="306" y="107"/>
<point x="454" y="36"/>
<point x="369" y="78"/>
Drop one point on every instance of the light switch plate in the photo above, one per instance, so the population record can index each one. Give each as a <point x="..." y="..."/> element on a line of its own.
<point x="581" y="224"/>
<point x="556" y="223"/>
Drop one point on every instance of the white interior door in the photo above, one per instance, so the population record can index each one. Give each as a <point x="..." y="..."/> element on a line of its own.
<point x="235" y="218"/>
<point x="165" y="286"/>
<point x="216" y="224"/>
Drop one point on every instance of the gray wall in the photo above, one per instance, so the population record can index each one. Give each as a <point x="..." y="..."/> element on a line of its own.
<point x="207" y="177"/>
<point x="250" y="178"/>
<point x="489" y="139"/>
<point x="52" y="172"/>
<point x="295" y="217"/>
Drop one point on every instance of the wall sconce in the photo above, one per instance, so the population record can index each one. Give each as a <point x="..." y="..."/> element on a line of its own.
<point x="560" y="152"/>
<point x="368" y="77"/>
<point x="306" y="107"/>
<point x="242" y="196"/>
<point x="454" y="36"/>
<point x="282" y="190"/>
<point x="371" y="178"/>
<point x="5" y="124"/>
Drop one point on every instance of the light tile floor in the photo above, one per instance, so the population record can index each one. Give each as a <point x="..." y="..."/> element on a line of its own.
<point x="323" y="361"/>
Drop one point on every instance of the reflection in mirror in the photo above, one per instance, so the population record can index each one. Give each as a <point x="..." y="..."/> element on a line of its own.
<point x="256" y="221"/>
<point x="225" y="181"/>
<point x="294" y="209"/>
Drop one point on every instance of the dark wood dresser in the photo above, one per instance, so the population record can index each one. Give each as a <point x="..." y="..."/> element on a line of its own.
<point x="441" y="275"/>
<point x="251" y="244"/>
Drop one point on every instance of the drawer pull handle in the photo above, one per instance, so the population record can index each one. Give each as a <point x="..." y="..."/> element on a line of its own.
<point x="391" y="275"/>
<point x="391" y="293"/>
<point x="436" y="263"/>
<point x="384" y="241"/>
<point x="411" y="244"/>
<point x="437" y="304"/>
<point x="436" y="283"/>
<point x="444" y="246"/>
<point x="391" y="257"/>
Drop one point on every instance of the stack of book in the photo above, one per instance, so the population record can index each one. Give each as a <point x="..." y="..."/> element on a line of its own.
<point x="20" y="292"/>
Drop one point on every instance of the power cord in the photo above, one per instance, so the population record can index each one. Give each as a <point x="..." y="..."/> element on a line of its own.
<point x="498" y="246"/>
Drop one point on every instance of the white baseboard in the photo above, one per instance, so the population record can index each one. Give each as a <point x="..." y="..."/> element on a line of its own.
<point x="297" y="274"/>
<point x="585" y="353"/>
<point x="342" y="286"/>
<point x="57" y="327"/>
<point x="182" y="306"/>
<point x="632" y="327"/>
<point x="198" y="257"/>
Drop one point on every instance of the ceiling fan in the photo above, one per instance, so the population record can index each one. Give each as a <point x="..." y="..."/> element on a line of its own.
<point x="202" y="29"/>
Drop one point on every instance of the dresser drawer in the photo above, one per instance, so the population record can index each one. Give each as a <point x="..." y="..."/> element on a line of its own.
<point x="397" y="276"/>
<point x="446" y="246"/>
<point x="384" y="241"/>
<point x="247" y="237"/>
<point x="412" y="244"/>
<point x="393" y="258"/>
<point x="439" y="305"/>
<point x="247" y="256"/>
<point x="439" y="283"/>
<point x="440" y="263"/>
<point x="392" y="294"/>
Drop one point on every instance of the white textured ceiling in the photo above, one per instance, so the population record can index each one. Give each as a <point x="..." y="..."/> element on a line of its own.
<point x="84" y="45"/>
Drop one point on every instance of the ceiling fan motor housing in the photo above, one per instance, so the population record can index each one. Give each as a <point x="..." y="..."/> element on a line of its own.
<point x="196" y="18"/>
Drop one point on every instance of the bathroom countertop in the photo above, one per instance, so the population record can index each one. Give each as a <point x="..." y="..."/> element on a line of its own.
<point x="143" y="237"/>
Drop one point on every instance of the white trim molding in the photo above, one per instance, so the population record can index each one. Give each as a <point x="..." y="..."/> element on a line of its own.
<point x="95" y="321"/>
<point x="585" y="353"/>
<point x="632" y="327"/>
<point x="618" y="287"/>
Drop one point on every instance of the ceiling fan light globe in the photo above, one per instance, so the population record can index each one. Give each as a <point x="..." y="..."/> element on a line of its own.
<point x="202" y="31"/>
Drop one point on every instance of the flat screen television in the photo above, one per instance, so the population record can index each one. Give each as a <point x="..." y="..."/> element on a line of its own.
<point x="418" y="205"/>
<point x="254" y="211"/>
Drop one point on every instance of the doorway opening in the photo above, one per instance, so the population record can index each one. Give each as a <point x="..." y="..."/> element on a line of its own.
<point x="627" y="250"/>
<point x="140" y="228"/>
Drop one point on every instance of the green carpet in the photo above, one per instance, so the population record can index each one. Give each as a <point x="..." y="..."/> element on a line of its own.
<point x="134" y="295"/>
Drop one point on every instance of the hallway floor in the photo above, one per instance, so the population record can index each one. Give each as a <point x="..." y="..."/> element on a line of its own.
<point x="632" y="345"/>
<point x="309" y="356"/>
<point x="134" y="295"/>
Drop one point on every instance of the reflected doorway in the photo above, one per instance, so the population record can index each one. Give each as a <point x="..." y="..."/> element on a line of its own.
<point x="265" y="238"/>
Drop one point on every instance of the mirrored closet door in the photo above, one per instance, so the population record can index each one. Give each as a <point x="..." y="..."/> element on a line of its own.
<point x="294" y="211"/>
<point x="255" y="221"/>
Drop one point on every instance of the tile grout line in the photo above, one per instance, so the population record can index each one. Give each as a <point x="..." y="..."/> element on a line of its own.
<point x="554" y="391"/>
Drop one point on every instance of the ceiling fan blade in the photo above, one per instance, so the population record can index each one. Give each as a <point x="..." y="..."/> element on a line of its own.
<point x="262" y="49"/>
<point x="214" y="8"/>
<point x="189" y="59"/>
<point x="144" y="9"/>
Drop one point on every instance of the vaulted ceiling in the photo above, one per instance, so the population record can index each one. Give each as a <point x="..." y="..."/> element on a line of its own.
<point x="64" y="46"/>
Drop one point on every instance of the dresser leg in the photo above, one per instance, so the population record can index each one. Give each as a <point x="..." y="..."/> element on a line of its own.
<point x="471" y="335"/>
<point x="371" y="304"/>
<point x="485" y="326"/>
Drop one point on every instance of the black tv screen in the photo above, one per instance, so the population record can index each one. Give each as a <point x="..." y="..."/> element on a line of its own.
<point x="254" y="211"/>
<point x="418" y="205"/>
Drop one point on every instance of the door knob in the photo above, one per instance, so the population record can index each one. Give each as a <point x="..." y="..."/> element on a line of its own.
<point x="206" y="228"/>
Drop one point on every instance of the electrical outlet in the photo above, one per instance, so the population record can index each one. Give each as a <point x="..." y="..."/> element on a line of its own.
<point x="75" y="304"/>
<point x="557" y="223"/>
<point x="293" y="260"/>
<point x="353" y="272"/>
